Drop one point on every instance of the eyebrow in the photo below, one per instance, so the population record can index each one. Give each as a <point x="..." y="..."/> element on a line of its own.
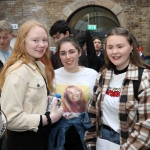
<point x="38" y="37"/>
<point x="117" y="44"/>
<point x="97" y="42"/>
<point x="54" y="36"/>
<point x="68" y="50"/>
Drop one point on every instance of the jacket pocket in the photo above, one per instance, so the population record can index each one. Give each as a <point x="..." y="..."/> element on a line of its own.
<point x="36" y="89"/>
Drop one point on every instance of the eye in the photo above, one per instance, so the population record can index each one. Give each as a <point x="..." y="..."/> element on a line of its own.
<point x="5" y="37"/>
<point x="120" y="46"/>
<point x="62" y="54"/>
<point x="72" y="52"/>
<point x="57" y="37"/>
<point x="45" y="40"/>
<point x="35" y="40"/>
<point x="109" y="47"/>
<point x="69" y="93"/>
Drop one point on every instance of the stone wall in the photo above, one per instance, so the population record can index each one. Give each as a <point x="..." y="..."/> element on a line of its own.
<point x="132" y="14"/>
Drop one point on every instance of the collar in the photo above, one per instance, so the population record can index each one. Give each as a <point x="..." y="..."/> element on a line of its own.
<point x="99" y="53"/>
<point x="40" y="65"/>
<point x="131" y="73"/>
<point x="32" y="66"/>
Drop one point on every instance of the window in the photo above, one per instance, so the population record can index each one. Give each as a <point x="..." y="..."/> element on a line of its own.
<point x="98" y="20"/>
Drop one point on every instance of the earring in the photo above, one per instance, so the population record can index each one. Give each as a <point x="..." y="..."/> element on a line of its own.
<point x="131" y="54"/>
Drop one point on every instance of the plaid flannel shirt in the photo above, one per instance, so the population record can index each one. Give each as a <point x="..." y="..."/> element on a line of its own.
<point x="134" y="131"/>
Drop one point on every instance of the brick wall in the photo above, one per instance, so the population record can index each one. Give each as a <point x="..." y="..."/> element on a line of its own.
<point x="137" y="14"/>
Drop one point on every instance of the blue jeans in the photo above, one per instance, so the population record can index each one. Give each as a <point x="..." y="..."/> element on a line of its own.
<point x="110" y="135"/>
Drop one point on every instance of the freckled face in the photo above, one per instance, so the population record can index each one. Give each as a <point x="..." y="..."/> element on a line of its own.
<point x="36" y="42"/>
<point x="118" y="50"/>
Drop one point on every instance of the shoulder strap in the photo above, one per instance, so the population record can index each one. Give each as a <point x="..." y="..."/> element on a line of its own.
<point x="100" y="81"/>
<point x="2" y="58"/>
<point x="136" y="83"/>
<point x="48" y="92"/>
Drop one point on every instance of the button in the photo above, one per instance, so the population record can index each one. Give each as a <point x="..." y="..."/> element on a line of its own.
<point x="38" y="85"/>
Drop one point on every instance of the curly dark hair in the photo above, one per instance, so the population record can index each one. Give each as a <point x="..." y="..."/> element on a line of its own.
<point x="60" y="26"/>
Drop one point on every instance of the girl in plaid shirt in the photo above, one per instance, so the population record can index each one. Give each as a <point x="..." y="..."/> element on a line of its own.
<point x="114" y="112"/>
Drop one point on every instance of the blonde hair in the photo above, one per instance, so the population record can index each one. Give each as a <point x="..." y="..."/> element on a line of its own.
<point x="77" y="106"/>
<point x="6" y="26"/>
<point x="19" y="53"/>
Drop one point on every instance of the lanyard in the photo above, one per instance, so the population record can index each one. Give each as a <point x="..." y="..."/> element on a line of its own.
<point x="48" y="92"/>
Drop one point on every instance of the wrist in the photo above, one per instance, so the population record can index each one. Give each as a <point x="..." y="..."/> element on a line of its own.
<point x="44" y="120"/>
<point x="49" y="122"/>
<point x="53" y="118"/>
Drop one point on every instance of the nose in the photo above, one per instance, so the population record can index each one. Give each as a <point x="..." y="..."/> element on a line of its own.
<point x="67" y="55"/>
<point x="114" y="50"/>
<point x="56" y="40"/>
<point x="41" y="43"/>
<point x="1" y="39"/>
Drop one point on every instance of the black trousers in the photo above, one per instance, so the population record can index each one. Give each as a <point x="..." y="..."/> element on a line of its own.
<point x="73" y="141"/>
<point x="27" y="140"/>
<point x="1" y="143"/>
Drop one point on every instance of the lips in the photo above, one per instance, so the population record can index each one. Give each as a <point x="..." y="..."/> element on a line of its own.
<point x="69" y="62"/>
<point x="116" y="57"/>
<point x="39" y="51"/>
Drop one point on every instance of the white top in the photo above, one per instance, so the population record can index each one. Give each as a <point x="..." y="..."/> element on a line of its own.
<point x="111" y="104"/>
<point x="76" y="89"/>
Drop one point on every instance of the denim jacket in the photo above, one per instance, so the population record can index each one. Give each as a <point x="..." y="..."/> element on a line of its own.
<point x="81" y="124"/>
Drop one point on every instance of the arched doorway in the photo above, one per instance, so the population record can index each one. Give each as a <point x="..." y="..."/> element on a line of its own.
<point x="99" y="20"/>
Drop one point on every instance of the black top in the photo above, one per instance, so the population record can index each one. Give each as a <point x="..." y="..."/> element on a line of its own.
<point x="120" y="71"/>
<point x="100" y="61"/>
<point x="1" y="65"/>
<point x="54" y="60"/>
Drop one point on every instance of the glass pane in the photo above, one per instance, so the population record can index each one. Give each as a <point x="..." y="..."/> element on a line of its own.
<point x="96" y="19"/>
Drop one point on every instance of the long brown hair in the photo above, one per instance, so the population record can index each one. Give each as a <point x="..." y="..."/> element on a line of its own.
<point x="136" y="59"/>
<point x="19" y="53"/>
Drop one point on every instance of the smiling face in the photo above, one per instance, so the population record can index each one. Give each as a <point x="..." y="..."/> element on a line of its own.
<point x="118" y="50"/>
<point x="36" y="42"/>
<point x="69" y="56"/>
<point x="74" y="93"/>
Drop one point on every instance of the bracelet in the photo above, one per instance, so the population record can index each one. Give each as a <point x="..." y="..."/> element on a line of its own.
<point x="41" y="121"/>
<point x="47" y="114"/>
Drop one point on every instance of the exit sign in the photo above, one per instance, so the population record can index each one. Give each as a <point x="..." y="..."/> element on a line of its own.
<point x="92" y="27"/>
